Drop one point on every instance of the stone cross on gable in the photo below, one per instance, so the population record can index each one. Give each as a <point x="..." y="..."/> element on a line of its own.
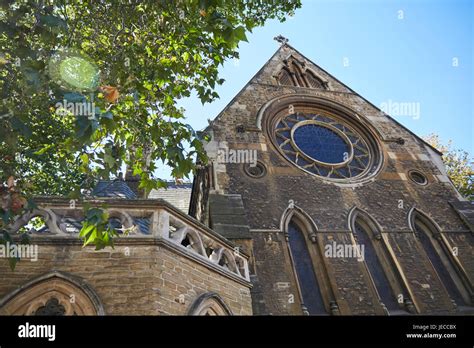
<point x="281" y="39"/>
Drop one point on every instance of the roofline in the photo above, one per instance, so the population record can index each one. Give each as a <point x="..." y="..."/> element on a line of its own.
<point x="369" y="102"/>
<point x="343" y="84"/>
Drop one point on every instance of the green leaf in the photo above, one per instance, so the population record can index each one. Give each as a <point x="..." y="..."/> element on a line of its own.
<point x="91" y="236"/>
<point x="44" y="149"/>
<point x="85" y="230"/>
<point x="109" y="160"/>
<point x="239" y="34"/>
<point x="85" y="159"/>
<point x="185" y="56"/>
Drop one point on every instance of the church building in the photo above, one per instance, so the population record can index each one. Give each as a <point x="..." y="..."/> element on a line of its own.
<point x="314" y="202"/>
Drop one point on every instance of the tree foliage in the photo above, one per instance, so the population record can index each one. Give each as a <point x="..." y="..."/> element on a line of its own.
<point x="130" y="62"/>
<point x="459" y="165"/>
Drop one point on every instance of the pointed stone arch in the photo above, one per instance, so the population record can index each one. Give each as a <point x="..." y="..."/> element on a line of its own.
<point x="71" y="293"/>
<point x="209" y="304"/>
<point x="386" y="274"/>
<point x="304" y="249"/>
<point x="415" y="214"/>
<point x="293" y="212"/>
<point x="190" y="239"/>
<point x="314" y="81"/>
<point x="447" y="266"/>
<point x="225" y="259"/>
<point x="357" y="213"/>
<point x="284" y="77"/>
<point x="297" y="69"/>
<point x="295" y="72"/>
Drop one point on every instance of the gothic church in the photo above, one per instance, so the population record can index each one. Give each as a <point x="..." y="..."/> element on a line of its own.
<point x="344" y="212"/>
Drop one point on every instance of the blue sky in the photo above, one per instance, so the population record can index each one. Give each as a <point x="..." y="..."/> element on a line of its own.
<point x="408" y="59"/>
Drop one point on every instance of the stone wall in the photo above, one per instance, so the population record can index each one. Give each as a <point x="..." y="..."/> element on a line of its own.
<point x="145" y="279"/>
<point x="388" y="197"/>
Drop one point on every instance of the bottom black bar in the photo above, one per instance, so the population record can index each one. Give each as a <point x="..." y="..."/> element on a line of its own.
<point x="159" y="331"/>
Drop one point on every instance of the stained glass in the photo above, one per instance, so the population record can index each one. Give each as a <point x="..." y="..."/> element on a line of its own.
<point x="321" y="143"/>
<point x="438" y="265"/>
<point x="310" y="291"/>
<point x="375" y="268"/>
<point x="319" y="148"/>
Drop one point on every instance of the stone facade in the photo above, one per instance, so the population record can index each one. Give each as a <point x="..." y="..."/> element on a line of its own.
<point x="257" y="234"/>
<point x="149" y="272"/>
<point x="151" y="280"/>
<point x="389" y="199"/>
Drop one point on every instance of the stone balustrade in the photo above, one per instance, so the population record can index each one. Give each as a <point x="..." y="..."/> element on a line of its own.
<point x="139" y="219"/>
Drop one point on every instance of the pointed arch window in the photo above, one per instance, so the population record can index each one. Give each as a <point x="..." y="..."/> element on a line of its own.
<point x="316" y="295"/>
<point x="50" y="294"/>
<point x="386" y="275"/>
<point x="365" y="237"/>
<point x="295" y="73"/>
<point x="310" y="290"/>
<point x="313" y="81"/>
<point x="298" y="74"/>
<point x="436" y="251"/>
<point x="284" y="78"/>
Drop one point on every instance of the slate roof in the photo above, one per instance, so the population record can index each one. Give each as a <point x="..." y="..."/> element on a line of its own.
<point x="178" y="195"/>
<point x="115" y="188"/>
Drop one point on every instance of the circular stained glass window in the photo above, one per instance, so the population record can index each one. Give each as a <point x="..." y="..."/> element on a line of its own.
<point x="321" y="143"/>
<point x="326" y="145"/>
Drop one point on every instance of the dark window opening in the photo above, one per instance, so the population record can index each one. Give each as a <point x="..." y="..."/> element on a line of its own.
<point x="379" y="277"/>
<point x="438" y="264"/>
<point x="52" y="307"/>
<point x="186" y="242"/>
<point x="309" y="286"/>
<point x="418" y="178"/>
